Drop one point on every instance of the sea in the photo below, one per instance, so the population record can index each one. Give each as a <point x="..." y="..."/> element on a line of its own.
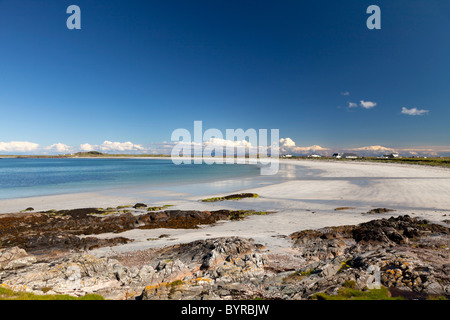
<point x="30" y="177"/>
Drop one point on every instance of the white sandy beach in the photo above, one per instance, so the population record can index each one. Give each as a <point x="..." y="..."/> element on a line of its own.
<point x="310" y="203"/>
<point x="301" y="202"/>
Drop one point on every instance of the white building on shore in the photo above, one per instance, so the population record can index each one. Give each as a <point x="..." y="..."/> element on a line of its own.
<point x="349" y="156"/>
<point x="337" y="155"/>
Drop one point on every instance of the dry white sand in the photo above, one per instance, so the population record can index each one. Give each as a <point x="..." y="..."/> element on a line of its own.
<point x="301" y="201"/>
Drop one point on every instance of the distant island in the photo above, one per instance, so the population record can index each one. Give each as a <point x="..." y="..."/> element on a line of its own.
<point x="88" y="154"/>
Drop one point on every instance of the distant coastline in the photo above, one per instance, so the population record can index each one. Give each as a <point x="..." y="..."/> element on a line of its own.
<point x="428" y="161"/>
<point x="90" y="154"/>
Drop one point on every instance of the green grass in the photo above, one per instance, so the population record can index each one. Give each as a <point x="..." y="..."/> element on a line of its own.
<point x="296" y="276"/>
<point x="349" y="284"/>
<point x="213" y="199"/>
<point x="430" y="161"/>
<point x="241" y="214"/>
<point x="440" y="162"/>
<point x="159" y="208"/>
<point x="438" y="298"/>
<point x="232" y="197"/>
<point x="352" y="294"/>
<point x="107" y="211"/>
<point x="8" y="294"/>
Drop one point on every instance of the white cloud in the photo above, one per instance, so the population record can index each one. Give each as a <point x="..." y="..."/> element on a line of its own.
<point x="112" y="146"/>
<point x="87" y="147"/>
<point x="120" y="146"/>
<point x="427" y="150"/>
<point x="414" y="111"/>
<point x="108" y="146"/>
<point x="311" y="148"/>
<point x="404" y="152"/>
<point x="59" y="147"/>
<point x="18" y="146"/>
<point x="374" y="148"/>
<point x="367" y="104"/>
<point x="345" y="93"/>
<point x="242" y="146"/>
<point x="352" y="105"/>
<point x="227" y="143"/>
<point x="287" y="145"/>
<point x="371" y="150"/>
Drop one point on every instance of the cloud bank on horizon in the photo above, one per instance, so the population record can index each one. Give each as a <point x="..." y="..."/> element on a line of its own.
<point x="287" y="146"/>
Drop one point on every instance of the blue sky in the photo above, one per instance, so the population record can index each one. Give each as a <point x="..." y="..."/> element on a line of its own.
<point x="138" y="70"/>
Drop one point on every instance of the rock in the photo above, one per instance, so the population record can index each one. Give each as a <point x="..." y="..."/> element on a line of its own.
<point x="15" y="257"/>
<point x="209" y="260"/>
<point x="397" y="230"/>
<point x="379" y="210"/>
<point x="394" y="235"/>
<point x="370" y="235"/>
<point x="140" y="205"/>
<point x="379" y="252"/>
<point x="358" y="263"/>
<point x="434" y="288"/>
<point x="330" y="269"/>
<point x="67" y="241"/>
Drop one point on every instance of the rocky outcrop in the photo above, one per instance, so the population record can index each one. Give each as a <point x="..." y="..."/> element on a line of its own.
<point x="379" y="210"/>
<point x="405" y="254"/>
<point x="183" y="271"/>
<point x="13" y="258"/>
<point x="409" y="256"/>
<point x="383" y="231"/>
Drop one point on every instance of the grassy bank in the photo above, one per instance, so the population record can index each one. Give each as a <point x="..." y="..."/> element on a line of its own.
<point x="8" y="294"/>
<point x="434" y="161"/>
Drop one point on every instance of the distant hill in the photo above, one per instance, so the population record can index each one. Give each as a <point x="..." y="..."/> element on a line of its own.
<point x="88" y="154"/>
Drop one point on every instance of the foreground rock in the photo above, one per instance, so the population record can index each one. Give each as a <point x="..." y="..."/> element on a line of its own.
<point x="406" y="254"/>
<point x="409" y="256"/>
<point x="181" y="271"/>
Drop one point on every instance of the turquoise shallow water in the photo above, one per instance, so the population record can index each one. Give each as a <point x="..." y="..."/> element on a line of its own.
<point x="21" y="178"/>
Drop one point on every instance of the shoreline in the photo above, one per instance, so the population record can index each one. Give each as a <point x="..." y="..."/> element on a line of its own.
<point x="314" y="232"/>
<point x="305" y="200"/>
<point x="104" y="197"/>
